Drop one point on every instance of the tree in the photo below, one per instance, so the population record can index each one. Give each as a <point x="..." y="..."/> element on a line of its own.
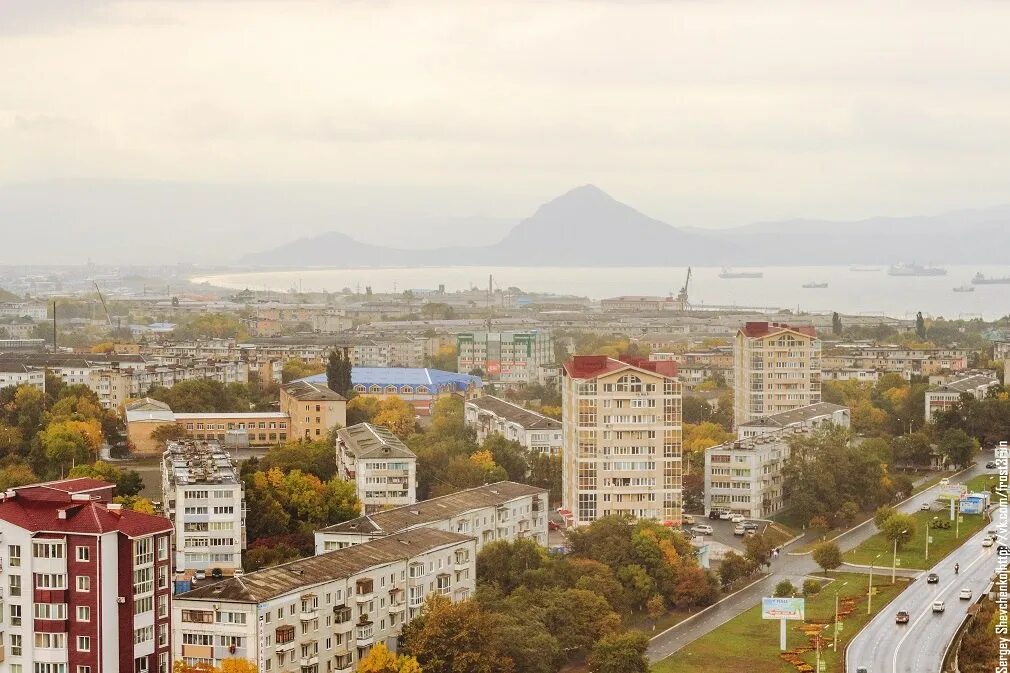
<point x="69" y="442"/>
<point x="509" y="454"/>
<point x="452" y="637"/>
<point x="135" y="503"/>
<point x="759" y="549"/>
<point x="503" y="564"/>
<point x="957" y="447"/>
<point x="296" y="368"/>
<point x="900" y="527"/>
<point x="883" y="513"/>
<point x="920" y="326"/>
<point x="444" y="359"/>
<point x="733" y="567"/>
<point x="784" y="589"/>
<point x="338" y="372"/>
<point x="638" y="584"/>
<point x="704" y="435"/>
<point x="168" y="432"/>
<point x="811" y="587"/>
<point x="128" y="482"/>
<point x="316" y="458"/>
<point x="362" y="409"/>
<point x="696" y="409"/>
<point x="397" y="415"/>
<point x="620" y="653"/>
<point x="828" y="556"/>
<point x="15" y="472"/>
<point x="381" y="660"/>
<point x="836" y="324"/>
<point x="913" y="449"/>
<point x="656" y="607"/>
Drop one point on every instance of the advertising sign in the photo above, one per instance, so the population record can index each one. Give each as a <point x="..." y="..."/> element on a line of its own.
<point x="952" y="492"/>
<point x="782" y="608"/>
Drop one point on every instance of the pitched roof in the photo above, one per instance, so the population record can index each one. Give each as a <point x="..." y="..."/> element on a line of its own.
<point x="591" y="366"/>
<point x="404" y="376"/>
<point x="755" y="329"/>
<point x="528" y="419"/>
<point x="268" y="583"/>
<point x="365" y="440"/>
<point x="398" y="519"/>
<point x="967" y="383"/>
<point x="307" y="390"/>
<point x="798" y="415"/>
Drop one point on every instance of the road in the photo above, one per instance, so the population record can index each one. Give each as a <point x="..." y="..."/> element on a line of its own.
<point x="918" y="647"/>
<point x="789" y="567"/>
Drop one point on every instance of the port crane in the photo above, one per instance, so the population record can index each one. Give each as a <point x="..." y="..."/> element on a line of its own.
<point x="681" y="301"/>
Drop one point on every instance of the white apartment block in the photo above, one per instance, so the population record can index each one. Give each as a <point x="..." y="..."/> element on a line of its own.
<point x="622" y="451"/>
<point x="811" y="417"/>
<point x="23" y="310"/>
<point x="777" y="368"/>
<point x="501" y="511"/>
<point x="904" y="361"/>
<point x="942" y="397"/>
<point x="506" y="357"/>
<point x="203" y="497"/>
<point x="537" y="433"/>
<point x="323" y="613"/>
<point x="382" y="468"/>
<point x="13" y="374"/>
<point x="851" y="374"/>
<point x="745" y="475"/>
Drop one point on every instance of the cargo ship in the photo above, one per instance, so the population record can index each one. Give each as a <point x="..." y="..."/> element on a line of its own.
<point x="730" y="273"/>
<point x="815" y="286"/>
<point x="916" y="270"/>
<point x="979" y="279"/>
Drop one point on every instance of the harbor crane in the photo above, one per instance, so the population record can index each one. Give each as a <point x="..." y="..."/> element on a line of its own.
<point x="682" y="303"/>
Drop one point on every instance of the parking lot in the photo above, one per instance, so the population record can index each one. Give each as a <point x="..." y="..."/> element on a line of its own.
<point x="723" y="531"/>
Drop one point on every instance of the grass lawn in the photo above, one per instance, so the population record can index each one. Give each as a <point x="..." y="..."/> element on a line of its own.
<point x="913" y="553"/>
<point x="982" y="482"/>
<point x="749" y="643"/>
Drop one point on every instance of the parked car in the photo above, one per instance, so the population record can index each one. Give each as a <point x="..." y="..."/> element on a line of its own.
<point x="750" y="525"/>
<point x="938" y="606"/>
<point x="965" y="595"/>
<point x="238" y="573"/>
<point x="737" y="518"/>
<point x="200" y="575"/>
<point x="739" y="530"/>
<point x="725" y="515"/>
<point x="702" y="529"/>
<point x="932" y="578"/>
<point x="687" y="519"/>
<point x="987" y="541"/>
<point x="901" y="617"/>
<point x="926" y="507"/>
<point x="715" y="514"/>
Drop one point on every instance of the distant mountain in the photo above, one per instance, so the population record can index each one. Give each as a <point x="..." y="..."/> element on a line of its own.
<point x="583" y="227"/>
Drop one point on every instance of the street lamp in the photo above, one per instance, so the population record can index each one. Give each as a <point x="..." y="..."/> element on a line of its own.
<point x="894" y="559"/>
<point x="869" y="593"/>
<point x="838" y="589"/>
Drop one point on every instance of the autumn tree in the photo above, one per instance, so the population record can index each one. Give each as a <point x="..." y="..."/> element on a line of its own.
<point x="397" y="415"/>
<point x="297" y="368"/>
<point x="461" y="637"/>
<point x="362" y="409"/>
<point x="381" y="660"/>
<point x="828" y="556"/>
<point x="128" y="482"/>
<point x="620" y="653"/>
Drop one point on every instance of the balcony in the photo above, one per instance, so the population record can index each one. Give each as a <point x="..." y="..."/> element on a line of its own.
<point x="308" y="613"/>
<point x="462" y="563"/>
<point x="305" y="662"/>
<point x="364" y="598"/>
<point x="365" y="636"/>
<point x="281" y="647"/>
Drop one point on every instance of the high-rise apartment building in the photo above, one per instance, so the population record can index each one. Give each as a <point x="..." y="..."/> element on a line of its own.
<point x="86" y="583"/>
<point x="203" y="497"/>
<point x="508" y="357"/>
<point x="621" y="427"/>
<point x="776" y="368"/>
<point x="381" y="467"/>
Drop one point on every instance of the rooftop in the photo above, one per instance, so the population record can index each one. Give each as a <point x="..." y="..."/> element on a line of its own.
<point x="269" y="583"/>
<point x="401" y="376"/>
<point x="798" y="415"/>
<point x="755" y="329"/>
<point x="392" y="521"/>
<point x="365" y="440"/>
<point x="967" y="383"/>
<point x="197" y="462"/>
<point x="591" y="366"/>
<point x="306" y="390"/>
<point x="530" y="420"/>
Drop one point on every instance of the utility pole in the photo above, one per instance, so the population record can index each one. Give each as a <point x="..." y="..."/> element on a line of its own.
<point x="927" y="541"/>
<point x="54" y="326"/>
<point x="894" y="559"/>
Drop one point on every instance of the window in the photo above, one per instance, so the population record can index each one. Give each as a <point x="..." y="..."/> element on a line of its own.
<point x="162" y="635"/>
<point x="143" y="551"/>
<point x="83" y="643"/>
<point x="15" y="585"/>
<point x="162" y="547"/>
<point x="47" y="549"/>
<point x="15" y="615"/>
<point x="50" y="581"/>
<point x="143" y="581"/>
<point x="83" y="613"/>
<point x="83" y="669"/>
<point x="163" y="605"/>
<point x="14" y="553"/>
<point x="50" y="610"/>
<point x="83" y="554"/>
<point x="16" y="643"/>
<point x="83" y="583"/>
<point x="143" y="634"/>
<point x="50" y="641"/>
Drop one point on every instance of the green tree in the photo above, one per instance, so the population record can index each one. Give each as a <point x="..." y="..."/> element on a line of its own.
<point x="734" y="567"/>
<point x="784" y="589"/>
<point x="828" y="556"/>
<point x="759" y="549"/>
<point x="620" y="653"/>
<point x="313" y="457"/>
<point x="503" y="564"/>
<point x="836" y="324"/>
<point x="508" y="454"/>
<point x="168" y="432"/>
<point x="461" y="637"/>
<point x="900" y="527"/>
<point x="362" y="409"/>
<point x="128" y="482"/>
<point x="637" y="583"/>
<point x="15" y="472"/>
<point x="958" y="447"/>
<point x="338" y="372"/>
<point x="920" y="326"/>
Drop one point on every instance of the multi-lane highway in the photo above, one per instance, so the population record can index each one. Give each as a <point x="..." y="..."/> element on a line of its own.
<point x="917" y="647"/>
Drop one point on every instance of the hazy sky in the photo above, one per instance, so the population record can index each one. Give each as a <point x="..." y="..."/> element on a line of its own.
<point x="700" y="113"/>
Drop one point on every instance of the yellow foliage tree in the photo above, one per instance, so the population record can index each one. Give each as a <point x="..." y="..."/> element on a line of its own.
<point x="381" y="660"/>
<point x="237" y="665"/>
<point x="483" y="459"/>
<point x="700" y="436"/>
<point x="397" y="415"/>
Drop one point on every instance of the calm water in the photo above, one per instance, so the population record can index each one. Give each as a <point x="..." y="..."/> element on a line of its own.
<point x="852" y="292"/>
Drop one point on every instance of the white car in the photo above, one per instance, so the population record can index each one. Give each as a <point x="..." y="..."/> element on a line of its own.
<point x="938" y="606"/>
<point x="739" y="530"/>
<point x="737" y="518"/>
<point x="726" y="516"/>
<point x="925" y="507"/>
<point x="702" y="529"/>
<point x="987" y="541"/>
<point x="965" y="595"/>
<point x="687" y="518"/>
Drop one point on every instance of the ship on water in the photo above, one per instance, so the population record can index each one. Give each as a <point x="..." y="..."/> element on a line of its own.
<point x="814" y="286"/>
<point x="979" y="279"/>
<point x="730" y="273"/>
<point x="964" y="288"/>
<point x="916" y="270"/>
<point x="863" y="269"/>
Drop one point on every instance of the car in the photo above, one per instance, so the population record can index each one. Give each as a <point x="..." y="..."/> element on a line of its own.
<point x="901" y="617"/>
<point x="200" y="575"/>
<point x="990" y="465"/>
<point x="938" y="606"/>
<point x="987" y="541"/>
<point x="932" y="578"/>
<point x="750" y="525"/>
<point x="739" y="530"/>
<point x="702" y="529"/>
<point x="725" y="515"/>
<point x="736" y="518"/>
<point x="945" y="481"/>
<point x="965" y="595"/>
<point x="715" y="514"/>
<point x="687" y="519"/>
<point x="238" y="573"/>
<point x="926" y="507"/>
<point x="862" y="669"/>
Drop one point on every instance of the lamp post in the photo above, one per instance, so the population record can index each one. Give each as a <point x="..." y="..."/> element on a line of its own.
<point x="894" y="559"/>
<point x="869" y="593"/>
<point x="838" y="589"/>
<point x="927" y="541"/>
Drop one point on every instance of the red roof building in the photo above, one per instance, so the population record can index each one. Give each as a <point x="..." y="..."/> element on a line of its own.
<point x="87" y="583"/>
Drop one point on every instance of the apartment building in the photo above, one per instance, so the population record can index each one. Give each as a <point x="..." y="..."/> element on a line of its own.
<point x="621" y="439"/>
<point x="86" y="583"/>
<point x="777" y="367"/>
<point x="23" y="310"/>
<point x="488" y="415"/>
<point x="638" y="303"/>
<point x="323" y="612"/>
<point x="945" y="396"/>
<point x="382" y="468"/>
<point x="506" y="357"/>
<point x="203" y="497"/>
<point x="813" y="416"/>
<point x="13" y="374"/>
<point x="501" y="511"/>
<point x="313" y="408"/>
<point x="905" y="361"/>
<point x="745" y="475"/>
<point x="850" y="374"/>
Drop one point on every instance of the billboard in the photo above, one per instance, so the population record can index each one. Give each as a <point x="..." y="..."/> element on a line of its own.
<point x="952" y="492"/>
<point x="782" y="608"/>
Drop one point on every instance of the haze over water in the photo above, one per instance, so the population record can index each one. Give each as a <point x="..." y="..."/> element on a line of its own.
<point x="851" y="292"/>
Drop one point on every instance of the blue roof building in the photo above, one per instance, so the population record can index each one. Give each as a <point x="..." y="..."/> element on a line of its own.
<point x="418" y="385"/>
